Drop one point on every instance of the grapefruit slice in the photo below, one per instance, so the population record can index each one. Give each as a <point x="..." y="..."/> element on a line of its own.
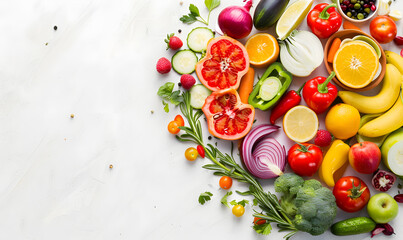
<point x="225" y="63"/>
<point x="227" y="117"/>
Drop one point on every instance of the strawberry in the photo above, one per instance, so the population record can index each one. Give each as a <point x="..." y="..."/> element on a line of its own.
<point x="173" y="42"/>
<point x="163" y="65"/>
<point x="323" y="138"/>
<point x="187" y="81"/>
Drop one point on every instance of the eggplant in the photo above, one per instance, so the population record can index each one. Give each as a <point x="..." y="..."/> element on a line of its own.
<point x="267" y="13"/>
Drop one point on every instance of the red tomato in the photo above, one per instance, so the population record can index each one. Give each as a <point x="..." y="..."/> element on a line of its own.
<point x="225" y="182"/>
<point x="259" y="221"/>
<point x="383" y="29"/>
<point x="200" y="150"/>
<point x="305" y="159"/>
<point x="179" y="120"/>
<point x="352" y="194"/>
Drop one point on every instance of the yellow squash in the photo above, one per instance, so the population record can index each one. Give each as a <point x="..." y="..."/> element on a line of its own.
<point x="335" y="160"/>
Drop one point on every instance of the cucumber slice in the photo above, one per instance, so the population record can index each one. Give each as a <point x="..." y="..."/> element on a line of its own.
<point x="198" y="95"/>
<point x="198" y="38"/>
<point x="395" y="158"/>
<point x="184" y="61"/>
<point x="269" y="88"/>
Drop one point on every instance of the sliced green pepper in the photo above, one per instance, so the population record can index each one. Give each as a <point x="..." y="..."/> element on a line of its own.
<point x="275" y="70"/>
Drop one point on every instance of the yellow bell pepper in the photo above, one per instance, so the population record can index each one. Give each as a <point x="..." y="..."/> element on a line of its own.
<point x="334" y="162"/>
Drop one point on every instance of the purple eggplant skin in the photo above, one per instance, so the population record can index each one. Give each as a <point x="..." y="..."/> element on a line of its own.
<point x="267" y="13"/>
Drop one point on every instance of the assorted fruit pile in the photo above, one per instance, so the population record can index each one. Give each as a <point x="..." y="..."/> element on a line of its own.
<point x="363" y="132"/>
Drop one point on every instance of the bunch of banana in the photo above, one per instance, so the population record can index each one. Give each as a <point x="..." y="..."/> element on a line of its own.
<point x="393" y="118"/>
<point x="381" y="102"/>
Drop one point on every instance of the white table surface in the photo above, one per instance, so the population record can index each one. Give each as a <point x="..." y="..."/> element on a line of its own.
<point x="55" y="180"/>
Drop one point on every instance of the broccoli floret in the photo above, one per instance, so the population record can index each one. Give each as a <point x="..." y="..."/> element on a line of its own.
<point x="311" y="207"/>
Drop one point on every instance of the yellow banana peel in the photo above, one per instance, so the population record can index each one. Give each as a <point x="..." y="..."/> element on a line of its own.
<point x="395" y="59"/>
<point x="383" y="100"/>
<point x="335" y="159"/>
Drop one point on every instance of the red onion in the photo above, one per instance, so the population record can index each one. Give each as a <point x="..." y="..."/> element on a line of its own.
<point x="264" y="157"/>
<point x="236" y="21"/>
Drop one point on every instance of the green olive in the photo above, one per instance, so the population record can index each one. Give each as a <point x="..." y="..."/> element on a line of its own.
<point x="353" y="1"/>
<point x="360" y="16"/>
<point x="367" y="10"/>
<point x="357" y="6"/>
<point x="349" y="14"/>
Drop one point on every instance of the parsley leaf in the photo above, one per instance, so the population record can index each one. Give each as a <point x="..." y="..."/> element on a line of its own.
<point x="166" y="106"/>
<point x="224" y="199"/>
<point x="264" y="229"/>
<point x="188" y="19"/>
<point x="211" y="4"/>
<point x="194" y="10"/>
<point x="204" y="197"/>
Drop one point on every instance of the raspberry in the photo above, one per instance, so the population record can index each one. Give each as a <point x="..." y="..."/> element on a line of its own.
<point x="187" y="81"/>
<point x="173" y="42"/>
<point x="323" y="138"/>
<point x="163" y="65"/>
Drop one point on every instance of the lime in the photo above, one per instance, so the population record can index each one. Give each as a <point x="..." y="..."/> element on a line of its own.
<point x="292" y="17"/>
<point x="370" y="42"/>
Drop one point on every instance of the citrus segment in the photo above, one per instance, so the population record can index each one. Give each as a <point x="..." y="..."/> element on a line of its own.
<point x="300" y="124"/>
<point x="262" y="49"/>
<point x="292" y="17"/>
<point x="225" y="63"/>
<point x="356" y="64"/>
<point x="343" y="121"/>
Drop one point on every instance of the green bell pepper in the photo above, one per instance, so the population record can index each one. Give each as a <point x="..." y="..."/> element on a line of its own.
<point x="275" y="72"/>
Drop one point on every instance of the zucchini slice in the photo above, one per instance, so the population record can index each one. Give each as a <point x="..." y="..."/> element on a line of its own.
<point x="184" y="61"/>
<point x="198" y="38"/>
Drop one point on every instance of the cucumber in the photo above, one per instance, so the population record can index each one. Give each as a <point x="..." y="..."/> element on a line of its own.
<point x="269" y="88"/>
<point x="352" y="226"/>
<point x="198" y="38"/>
<point x="198" y="95"/>
<point x="184" y="61"/>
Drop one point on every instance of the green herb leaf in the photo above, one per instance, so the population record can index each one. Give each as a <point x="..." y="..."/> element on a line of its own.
<point x="176" y="97"/>
<point x="233" y="203"/>
<point x="194" y="10"/>
<point x="204" y="197"/>
<point x="255" y="202"/>
<point x="264" y="229"/>
<point x="243" y="202"/>
<point x="165" y="91"/>
<point x="224" y="199"/>
<point x="188" y="19"/>
<point x="166" y="106"/>
<point x="211" y="4"/>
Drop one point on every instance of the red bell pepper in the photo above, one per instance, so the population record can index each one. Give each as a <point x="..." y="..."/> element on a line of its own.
<point x="324" y="20"/>
<point x="319" y="93"/>
<point x="290" y="100"/>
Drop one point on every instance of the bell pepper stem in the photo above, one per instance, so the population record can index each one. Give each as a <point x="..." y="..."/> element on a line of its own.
<point x="324" y="14"/>
<point x="322" y="88"/>
<point x="299" y="90"/>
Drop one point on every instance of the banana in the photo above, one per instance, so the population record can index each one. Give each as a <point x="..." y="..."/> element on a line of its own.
<point x="395" y="59"/>
<point x="381" y="102"/>
<point x="387" y="122"/>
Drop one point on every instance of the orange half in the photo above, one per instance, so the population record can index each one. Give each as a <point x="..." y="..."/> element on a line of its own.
<point x="262" y="49"/>
<point x="356" y="64"/>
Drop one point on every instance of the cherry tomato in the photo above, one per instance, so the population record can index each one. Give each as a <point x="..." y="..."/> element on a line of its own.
<point x="352" y="194"/>
<point x="238" y="210"/>
<point x="305" y="159"/>
<point x="200" y="150"/>
<point x="179" y="120"/>
<point x="383" y="29"/>
<point x="173" y="127"/>
<point x="259" y="221"/>
<point x="191" y="154"/>
<point x="225" y="182"/>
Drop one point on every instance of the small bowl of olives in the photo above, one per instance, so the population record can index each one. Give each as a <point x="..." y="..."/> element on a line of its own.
<point x="358" y="10"/>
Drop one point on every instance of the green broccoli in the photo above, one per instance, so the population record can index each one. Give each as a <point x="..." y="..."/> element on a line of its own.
<point x="311" y="207"/>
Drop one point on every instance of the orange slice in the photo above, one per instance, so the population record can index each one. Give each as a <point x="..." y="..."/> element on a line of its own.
<point x="262" y="49"/>
<point x="356" y="64"/>
<point x="300" y="124"/>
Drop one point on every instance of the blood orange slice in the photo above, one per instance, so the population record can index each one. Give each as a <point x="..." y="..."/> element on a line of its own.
<point x="227" y="117"/>
<point x="225" y="63"/>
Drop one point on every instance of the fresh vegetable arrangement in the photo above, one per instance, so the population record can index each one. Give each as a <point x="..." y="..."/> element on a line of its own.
<point x="363" y="133"/>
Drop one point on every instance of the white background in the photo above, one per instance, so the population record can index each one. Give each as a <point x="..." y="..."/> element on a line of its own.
<point x="55" y="180"/>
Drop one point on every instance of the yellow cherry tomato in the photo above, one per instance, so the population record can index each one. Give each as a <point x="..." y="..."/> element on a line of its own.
<point x="238" y="210"/>
<point x="191" y="154"/>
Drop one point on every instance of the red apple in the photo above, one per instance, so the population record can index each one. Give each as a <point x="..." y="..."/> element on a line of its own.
<point x="365" y="157"/>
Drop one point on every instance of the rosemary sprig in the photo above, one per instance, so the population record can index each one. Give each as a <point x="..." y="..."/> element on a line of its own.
<point x="224" y="164"/>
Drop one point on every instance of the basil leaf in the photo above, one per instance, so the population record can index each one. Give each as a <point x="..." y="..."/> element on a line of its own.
<point x="176" y="97"/>
<point x="211" y="4"/>
<point x="194" y="10"/>
<point x="165" y="90"/>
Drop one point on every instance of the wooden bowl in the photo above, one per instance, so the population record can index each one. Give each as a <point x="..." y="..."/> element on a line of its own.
<point x="350" y="33"/>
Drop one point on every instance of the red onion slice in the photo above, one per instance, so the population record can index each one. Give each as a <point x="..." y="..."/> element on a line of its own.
<point x="264" y="157"/>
